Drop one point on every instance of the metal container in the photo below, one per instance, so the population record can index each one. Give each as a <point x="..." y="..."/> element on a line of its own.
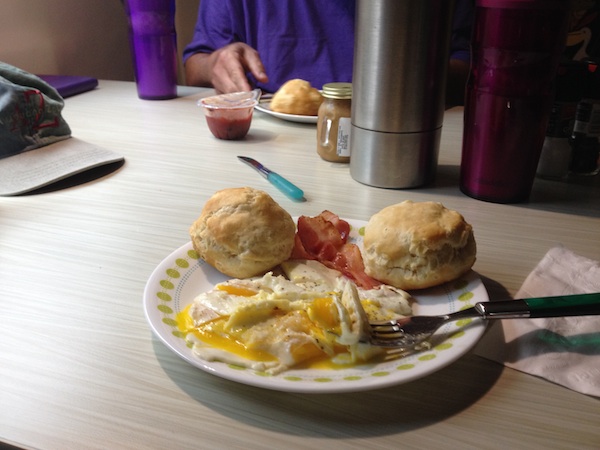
<point x="401" y="55"/>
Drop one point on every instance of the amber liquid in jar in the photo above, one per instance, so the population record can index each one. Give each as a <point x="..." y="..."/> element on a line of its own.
<point x="333" y="124"/>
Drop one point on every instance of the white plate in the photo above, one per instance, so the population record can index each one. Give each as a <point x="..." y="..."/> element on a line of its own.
<point x="264" y="105"/>
<point x="181" y="276"/>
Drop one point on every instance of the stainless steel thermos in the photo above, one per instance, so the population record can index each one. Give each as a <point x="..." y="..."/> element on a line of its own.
<point x="401" y="55"/>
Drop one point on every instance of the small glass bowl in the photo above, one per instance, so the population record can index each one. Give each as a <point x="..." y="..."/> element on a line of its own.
<point x="229" y="115"/>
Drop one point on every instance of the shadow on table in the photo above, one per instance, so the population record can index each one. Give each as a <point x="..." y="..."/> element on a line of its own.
<point x="95" y="174"/>
<point x="405" y="407"/>
<point x="578" y="196"/>
<point x="495" y="290"/>
<point x="393" y="410"/>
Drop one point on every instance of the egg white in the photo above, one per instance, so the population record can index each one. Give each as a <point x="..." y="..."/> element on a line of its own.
<point x="276" y="322"/>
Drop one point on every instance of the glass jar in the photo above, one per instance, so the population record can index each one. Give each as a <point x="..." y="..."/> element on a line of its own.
<point x="333" y="124"/>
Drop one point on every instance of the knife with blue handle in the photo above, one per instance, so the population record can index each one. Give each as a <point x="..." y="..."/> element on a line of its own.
<point x="275" y="179"/>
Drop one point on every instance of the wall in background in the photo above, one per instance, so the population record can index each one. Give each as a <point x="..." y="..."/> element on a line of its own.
<point x="75" y="37"/>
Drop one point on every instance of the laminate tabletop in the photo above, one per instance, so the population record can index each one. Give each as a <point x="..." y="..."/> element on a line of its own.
<point x="80" y="367"/>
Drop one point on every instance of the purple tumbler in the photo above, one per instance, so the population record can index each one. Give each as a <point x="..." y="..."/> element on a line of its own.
<point x="516" y="48"/>
<point x="153" y="42"/>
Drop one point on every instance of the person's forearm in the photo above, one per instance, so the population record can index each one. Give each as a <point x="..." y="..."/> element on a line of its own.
<point x="197" y="70"/>
<point x="458" y="72"/>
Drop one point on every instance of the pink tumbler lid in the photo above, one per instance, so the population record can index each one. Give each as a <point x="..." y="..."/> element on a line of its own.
<point x="524" y="4"/>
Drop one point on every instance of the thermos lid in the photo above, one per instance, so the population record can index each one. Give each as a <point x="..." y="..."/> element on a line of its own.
<point x="337" y="90"/>
<point x="524" y="4"/>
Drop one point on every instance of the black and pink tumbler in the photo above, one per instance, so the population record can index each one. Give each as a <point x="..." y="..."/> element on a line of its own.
<point x="153" y="42"/>
<point x="516" y="48"/>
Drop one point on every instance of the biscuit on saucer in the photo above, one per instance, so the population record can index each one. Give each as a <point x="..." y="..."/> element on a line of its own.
<point x="297" y="97"/>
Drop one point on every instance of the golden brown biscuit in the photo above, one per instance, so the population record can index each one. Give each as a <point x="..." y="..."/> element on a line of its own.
<point x="297" y="97"/>
<point x="243" y="232"/>
<point x="418" y="245"/>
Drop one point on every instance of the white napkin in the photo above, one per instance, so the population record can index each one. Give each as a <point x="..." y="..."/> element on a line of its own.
<point x="564" y="350"/>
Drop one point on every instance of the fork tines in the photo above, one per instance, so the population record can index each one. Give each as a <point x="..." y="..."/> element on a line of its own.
<point x="388" y="326"/>
<point x="390" y="333"/>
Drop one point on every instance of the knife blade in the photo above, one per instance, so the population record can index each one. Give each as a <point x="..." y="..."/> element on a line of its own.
<point x="275" y="179"/>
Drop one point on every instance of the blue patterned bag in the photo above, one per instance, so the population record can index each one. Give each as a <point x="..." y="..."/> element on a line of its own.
<point x="30" y="112"/>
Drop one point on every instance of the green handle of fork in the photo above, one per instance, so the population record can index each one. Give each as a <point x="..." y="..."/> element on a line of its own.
<point x="564" y="305"/>
<point x="558" y="306"/>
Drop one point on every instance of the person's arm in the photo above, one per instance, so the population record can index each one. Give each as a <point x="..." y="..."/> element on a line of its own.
<point x="225" y="69"/>
<point x="458" y="72"/>
<point x="218" y="55"/>
<point x="460" y="53"/>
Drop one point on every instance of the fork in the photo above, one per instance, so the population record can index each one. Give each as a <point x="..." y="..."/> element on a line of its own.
<point x="408" y="333"/>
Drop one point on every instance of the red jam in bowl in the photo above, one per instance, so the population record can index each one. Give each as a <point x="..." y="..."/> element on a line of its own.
<point x="230" y="128"/>
<point x="229" y="115"/>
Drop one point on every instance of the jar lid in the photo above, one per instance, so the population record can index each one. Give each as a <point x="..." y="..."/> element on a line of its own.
<point x="337" y="90"/>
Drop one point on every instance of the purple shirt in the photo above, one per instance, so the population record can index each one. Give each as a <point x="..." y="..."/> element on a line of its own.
<point x="318" y="34"/>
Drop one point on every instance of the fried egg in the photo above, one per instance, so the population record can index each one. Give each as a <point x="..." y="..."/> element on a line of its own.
<point x="276" y="322"/>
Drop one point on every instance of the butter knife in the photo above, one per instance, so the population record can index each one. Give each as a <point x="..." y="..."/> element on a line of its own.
<point x="275" y="179"/>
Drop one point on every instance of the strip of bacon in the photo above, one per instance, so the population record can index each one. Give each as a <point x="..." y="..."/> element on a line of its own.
<point x="325" y="238"/>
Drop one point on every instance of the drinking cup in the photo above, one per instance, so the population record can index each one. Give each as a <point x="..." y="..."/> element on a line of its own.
<point x="153" y="43"/>
<point x="516" y="48"/>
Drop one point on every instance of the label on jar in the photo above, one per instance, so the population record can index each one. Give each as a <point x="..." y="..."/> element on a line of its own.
<point x="594" y="125"/>
<point x="343" y="138"/>
<point x="562" y="120"/>
<point x="582" y="117"/>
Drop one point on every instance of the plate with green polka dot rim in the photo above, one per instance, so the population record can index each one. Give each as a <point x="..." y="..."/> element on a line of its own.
<point x="182" y="275"/>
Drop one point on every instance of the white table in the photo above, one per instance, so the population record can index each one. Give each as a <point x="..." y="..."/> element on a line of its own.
<point x="80" y="367"/>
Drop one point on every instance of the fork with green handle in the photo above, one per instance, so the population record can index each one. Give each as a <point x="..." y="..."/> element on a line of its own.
<point x="409" y="332"/>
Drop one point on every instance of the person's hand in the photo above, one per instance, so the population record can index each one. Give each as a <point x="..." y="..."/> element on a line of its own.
<point x="225" y="69"/>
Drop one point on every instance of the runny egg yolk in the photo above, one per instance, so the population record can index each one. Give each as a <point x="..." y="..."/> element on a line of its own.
<point x="324" y="312"/>
<point x="279" y="323"/>
<point x="213" y="334"/>
<point x="372" y="310"/>
<point x="236" y="290"/>
<point x="307" y="352"/>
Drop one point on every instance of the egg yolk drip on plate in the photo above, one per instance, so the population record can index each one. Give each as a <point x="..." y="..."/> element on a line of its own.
<point x="311" y="317"/>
